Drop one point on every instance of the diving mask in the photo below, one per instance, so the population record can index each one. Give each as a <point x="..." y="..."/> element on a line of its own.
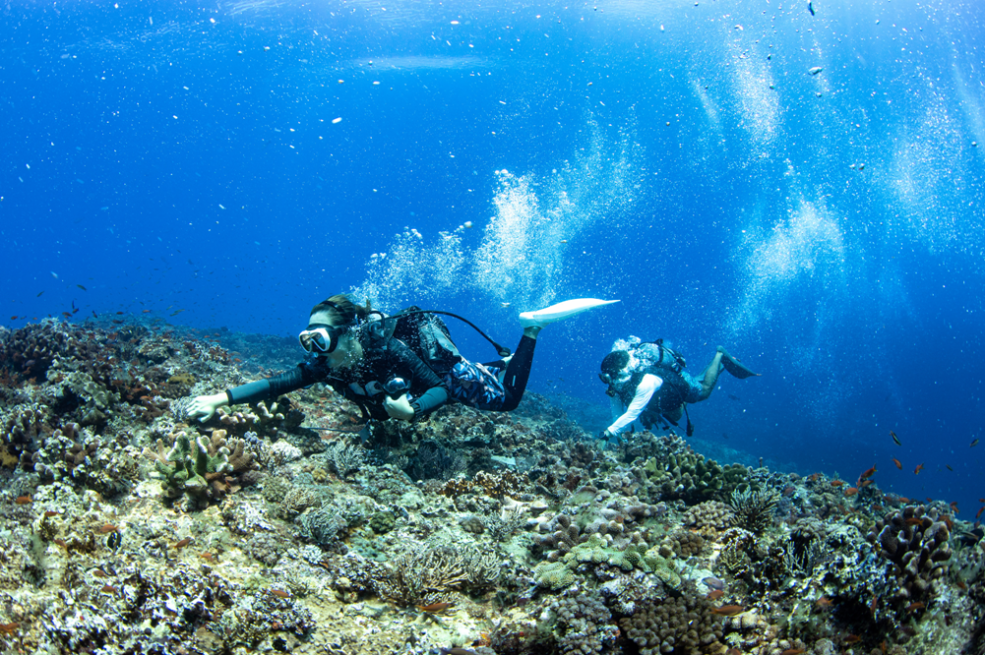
<point x="320" y="338"/>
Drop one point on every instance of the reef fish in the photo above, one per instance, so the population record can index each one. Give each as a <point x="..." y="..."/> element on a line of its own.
<point x="917" y="470"/>
<point x="810" y="7"/>
<point x="898" y="464"/>
<point x="728" y="610"/>
<point x="895" y="438"/>
<point x="973" y="443"/>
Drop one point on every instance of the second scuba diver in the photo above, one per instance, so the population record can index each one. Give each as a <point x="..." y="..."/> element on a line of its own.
<point x="647" y="381"/>
<point x="357" y="355"/>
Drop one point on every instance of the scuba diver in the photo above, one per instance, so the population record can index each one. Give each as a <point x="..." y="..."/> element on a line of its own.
<point x="361" y="355"/>
<point x="647" y="381"/>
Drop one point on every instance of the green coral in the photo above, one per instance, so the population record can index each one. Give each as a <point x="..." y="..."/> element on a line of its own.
<point x="184" y="468"/>
<point x="598" y="551"/>
<point x="662" y="567"/>
<point x="553" y="575"/>
<point x="382" y="522"/>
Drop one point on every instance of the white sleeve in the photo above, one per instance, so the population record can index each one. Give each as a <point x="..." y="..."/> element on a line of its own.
<point x="644" y="392"/>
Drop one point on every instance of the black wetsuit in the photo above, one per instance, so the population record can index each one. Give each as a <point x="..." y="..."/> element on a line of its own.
<point x="362" y="383"/>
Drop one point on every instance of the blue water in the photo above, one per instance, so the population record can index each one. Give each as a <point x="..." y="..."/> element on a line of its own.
<point x="827" y="228"/>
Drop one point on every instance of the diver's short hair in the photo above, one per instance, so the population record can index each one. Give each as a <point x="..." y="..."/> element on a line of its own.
<point x="343" y="310"/>
<point x="614" y="363"/>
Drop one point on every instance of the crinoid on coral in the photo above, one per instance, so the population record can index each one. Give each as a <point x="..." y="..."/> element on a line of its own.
<point x="754" y="509"/>
<point x="916" y="542"/>
<point x="426" y="574"/>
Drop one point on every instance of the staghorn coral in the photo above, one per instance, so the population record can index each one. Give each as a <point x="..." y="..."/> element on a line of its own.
<point x="916" y="542"/>
<point x="199" y="468"/>
<point x="678" y="626"/>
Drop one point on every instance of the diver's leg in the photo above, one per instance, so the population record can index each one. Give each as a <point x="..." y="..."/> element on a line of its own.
<point x="518" y="370"/>
<point x="710" y="377"/>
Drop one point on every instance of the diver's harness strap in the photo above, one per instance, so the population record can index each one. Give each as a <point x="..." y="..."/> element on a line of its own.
<point x="502" y="350"/>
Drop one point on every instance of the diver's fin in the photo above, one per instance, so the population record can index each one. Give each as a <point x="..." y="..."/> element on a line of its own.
<point x="548" y="315"/>
<point x="734" y="366"/>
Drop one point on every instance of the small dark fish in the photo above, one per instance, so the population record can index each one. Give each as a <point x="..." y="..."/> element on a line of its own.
<point x="177" y="312"/>
<point x="731" y="397"/>
<point x="50" y="513"/>
<point x="895" y="438"/>
<point x="81" y="287"/>
<point x="810" y="7"/>
<point x="948" y="467"/>
<point x="39" y="294"/>
<point x="13" y="318"/>
<point x="973" y="443"/>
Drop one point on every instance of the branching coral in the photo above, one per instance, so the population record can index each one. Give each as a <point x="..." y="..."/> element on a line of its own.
<point x="198" y="467"/>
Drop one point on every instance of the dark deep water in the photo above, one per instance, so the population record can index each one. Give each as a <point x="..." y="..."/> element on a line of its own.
<point x="827" y="228"/>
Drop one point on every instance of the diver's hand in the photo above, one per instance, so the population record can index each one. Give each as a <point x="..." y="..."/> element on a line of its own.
<point x="610" y="438"/>
<point x="399" y="408"/>
<point x="203" y="407"/>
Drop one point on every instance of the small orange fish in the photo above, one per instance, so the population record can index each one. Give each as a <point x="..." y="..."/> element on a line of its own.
<point x="837" y="483"/>
<point x="913" y="607"/>
<point x="9" y="628"/>
<point x="184" y="542"/>
<point x="728" y="610"/>
<point x="279" y="593"/>
<point x="207" y="556"/>
<point x="865" y="483"/>
<point x="793" y="651"/>
<point x="61" y="542"/>
<point x="913" y="521"/>
<point x="917" y="470"/>
<point x="852" y="639"/>
<point x="961" y="584"/>
<point x="108" y="589"/>
<point x="823" y="601"/>
<point x="107" y="527"/>
<point x="434" y="608"/>
<point x="99" y="573"/>
<point x="851" y="491"/>
<point x="715" y="594"/>
<point x="898" y="464"/>
<point x="980" y="510"/>
<point x="868" y="473"/>
<point x="23" y="500"/>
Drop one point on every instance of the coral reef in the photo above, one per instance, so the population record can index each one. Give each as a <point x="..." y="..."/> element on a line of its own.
<point x="128" y="528"/>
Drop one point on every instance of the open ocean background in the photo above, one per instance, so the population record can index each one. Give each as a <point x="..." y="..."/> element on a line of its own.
<point x="827" y="228"/>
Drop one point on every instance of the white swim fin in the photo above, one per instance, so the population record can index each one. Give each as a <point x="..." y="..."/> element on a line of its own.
<point x="548" y="315"/>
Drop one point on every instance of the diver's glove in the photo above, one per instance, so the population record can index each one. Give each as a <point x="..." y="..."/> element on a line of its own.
<point x="203" y="407"/>
<point x="610" y="438"/>
<point x="399" y="408"/>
